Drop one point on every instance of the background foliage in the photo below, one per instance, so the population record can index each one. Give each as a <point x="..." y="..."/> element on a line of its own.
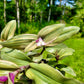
<point x="33" y="12"/>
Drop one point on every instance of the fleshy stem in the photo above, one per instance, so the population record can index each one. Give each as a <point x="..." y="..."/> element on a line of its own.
<point x="42" y="50"/>
<point x="21" y="69"/>
<point x="57" y="57"/>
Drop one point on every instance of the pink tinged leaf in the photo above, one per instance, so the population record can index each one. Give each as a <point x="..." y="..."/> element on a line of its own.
<point x="37" y="40"/>
<point x="3" y="78"/>
<point x="12" y="77"/>
<point x="21" y="68"/>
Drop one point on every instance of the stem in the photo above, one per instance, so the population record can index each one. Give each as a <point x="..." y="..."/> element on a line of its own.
<point x="38" y="53"/>
<point x="21" y="69"/>
<point x="57" y="57"/>
<point x="42" y="50"/>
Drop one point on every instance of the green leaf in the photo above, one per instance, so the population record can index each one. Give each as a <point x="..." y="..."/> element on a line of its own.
<point x="9" y="30"/>
<point x="65" y="52"/>
<point x="45" y="53"/>
<point x="56" y="48"/>
<point x="57" y="33"/>
<point x="35" y="52"/>
<point x="4" y="72"/>
<point x="23" y="79"/>
<point x="39" y="77"/>
<point x="37" y="59"/>
<point x="49" y="72"/>
<point x="61" y="52"/>
<point x="69" y="70"/>
<point x="14" y="53"/>
<point x="19" y="41"/>
<point x="15" y="56"/>
<point x="31" y="46"/>
<point x="8" y="65"/>
<point x="66" y="33"/>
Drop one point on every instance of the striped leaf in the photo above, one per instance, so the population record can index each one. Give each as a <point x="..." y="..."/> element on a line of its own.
<point x="9" y="30"/>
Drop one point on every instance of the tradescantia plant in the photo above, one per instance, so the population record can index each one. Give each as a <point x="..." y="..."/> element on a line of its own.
<point x="34" y="59"/>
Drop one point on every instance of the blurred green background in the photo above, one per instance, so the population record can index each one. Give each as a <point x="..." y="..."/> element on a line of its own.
<point x="33" y="15"/>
